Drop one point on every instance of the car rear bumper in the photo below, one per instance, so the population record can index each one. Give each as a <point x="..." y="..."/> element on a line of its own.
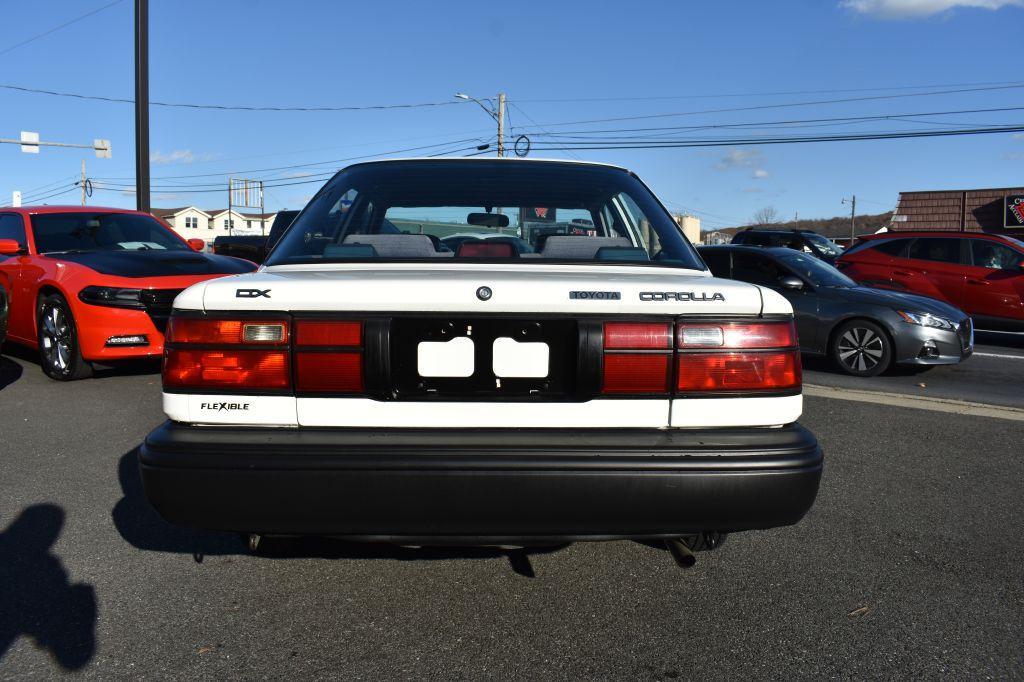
<point x="479" y="486"/>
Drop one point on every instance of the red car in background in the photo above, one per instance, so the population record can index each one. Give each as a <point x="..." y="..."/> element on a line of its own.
<point x="980" y="273"/>
<point x="87" y="284"/>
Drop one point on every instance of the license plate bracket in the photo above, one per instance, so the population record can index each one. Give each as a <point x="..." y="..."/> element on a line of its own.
<point x="559" y="335"/>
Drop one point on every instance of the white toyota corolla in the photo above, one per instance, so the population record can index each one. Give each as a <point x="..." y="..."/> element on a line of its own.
<point x="482" y="351"/>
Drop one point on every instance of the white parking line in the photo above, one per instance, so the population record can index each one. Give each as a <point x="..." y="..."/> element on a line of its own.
<point x="999" y="355"/>
<point x="916" y="402"/>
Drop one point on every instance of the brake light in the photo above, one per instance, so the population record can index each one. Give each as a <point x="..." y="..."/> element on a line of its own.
<point x="637" y="357"/>
<point x="737" y="356"/>
<point x="738" y="371"/>
<point x="328" y="356"/>
<point x="229" y="369"/>
<point x="695" y="357"/>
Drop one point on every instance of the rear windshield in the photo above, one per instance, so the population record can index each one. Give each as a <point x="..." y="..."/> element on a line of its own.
<point x="492" y="211"/>
<point x="63" y="232"/>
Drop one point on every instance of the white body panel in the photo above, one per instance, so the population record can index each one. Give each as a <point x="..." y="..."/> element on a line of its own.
<point x="449" y="287"/>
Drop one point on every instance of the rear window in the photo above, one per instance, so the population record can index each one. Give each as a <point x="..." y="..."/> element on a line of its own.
<point x="989" y="254"/>
<point x="502" y="211"/>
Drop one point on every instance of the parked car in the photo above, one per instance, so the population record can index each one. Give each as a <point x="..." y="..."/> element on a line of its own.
<point x="599" y="388"/>
<point x="863" y="330"/>
<point x="95" y="284"/>
<point x="805" y="241"/>
<point x="254" y="247"/>
<point x="5" y="297"/>
<point x="981" y="273"/>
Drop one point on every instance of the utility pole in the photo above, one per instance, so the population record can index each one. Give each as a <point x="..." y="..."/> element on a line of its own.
<point x="853" y="217"/>
<point x="83" y="182"/>
<point x="501" y="124"/>
<point x="497" y="113"/>
<point x="142" y="105"/>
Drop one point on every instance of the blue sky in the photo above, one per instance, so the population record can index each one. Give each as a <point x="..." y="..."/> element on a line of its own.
<point x="627" y="59"/>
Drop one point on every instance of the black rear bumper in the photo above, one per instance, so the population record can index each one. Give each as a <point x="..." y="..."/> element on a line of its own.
<point x="480" y="485"/>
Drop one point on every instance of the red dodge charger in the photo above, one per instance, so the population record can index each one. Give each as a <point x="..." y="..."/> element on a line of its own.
<point x="88" y="284"/>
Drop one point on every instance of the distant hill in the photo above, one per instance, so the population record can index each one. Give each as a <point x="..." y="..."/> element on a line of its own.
<point x="830" y="227"/>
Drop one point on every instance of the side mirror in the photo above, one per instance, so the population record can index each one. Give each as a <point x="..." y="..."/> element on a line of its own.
<point x="197" y="245"/>
<point x="9" y="247"/>
<point x="791" y="282"/>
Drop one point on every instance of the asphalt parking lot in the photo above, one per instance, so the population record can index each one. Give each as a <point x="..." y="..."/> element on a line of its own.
<point x="910" y="564"/>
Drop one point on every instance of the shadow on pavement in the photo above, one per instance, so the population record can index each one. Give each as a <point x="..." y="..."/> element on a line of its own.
<point x="36" y="599"/>
<point x="10" y="372"/>
<point x="120" y="369"/>
<point x="141" y="526"/>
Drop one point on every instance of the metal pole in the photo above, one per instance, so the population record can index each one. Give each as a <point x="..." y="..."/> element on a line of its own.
<point x="142" y="105"/>
<point x="231" y="222"/>
<point x="853" y="219"/>
<point x="501" y="124"/>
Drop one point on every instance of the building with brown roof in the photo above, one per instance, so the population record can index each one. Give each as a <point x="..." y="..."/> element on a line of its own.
<point x="971" y="210"/>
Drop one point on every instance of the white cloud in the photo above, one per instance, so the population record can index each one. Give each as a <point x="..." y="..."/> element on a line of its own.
<point x="1018" y="136"/>
<point x="760" y="174"/>
<point x="914" y="9"/>
<point x="739" y="158"/>
<point x="178" y="156"/>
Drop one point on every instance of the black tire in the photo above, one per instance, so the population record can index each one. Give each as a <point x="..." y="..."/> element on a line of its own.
<point x="704" y="542"/>
<point x="60" y="354"/>
<point x="861" y="348"/>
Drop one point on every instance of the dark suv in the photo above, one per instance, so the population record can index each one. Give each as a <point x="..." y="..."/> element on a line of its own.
<point x="809" y="242"/>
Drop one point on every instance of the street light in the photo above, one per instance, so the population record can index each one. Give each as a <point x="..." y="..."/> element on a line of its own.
<point x="497" y="114"/>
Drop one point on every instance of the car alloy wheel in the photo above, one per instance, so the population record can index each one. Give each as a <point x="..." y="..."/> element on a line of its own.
<point x="59" y="354"/>
<point x="862" y="349"/>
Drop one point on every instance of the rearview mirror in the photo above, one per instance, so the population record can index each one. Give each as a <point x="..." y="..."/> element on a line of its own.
<point x="791" y="282"/>
<point x="9" y="247"/>
<point x="197" y="245"/>
<point x="488" y="219"/>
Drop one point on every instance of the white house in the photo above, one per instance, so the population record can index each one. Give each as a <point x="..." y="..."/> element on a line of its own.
<point x="191" y="222"/>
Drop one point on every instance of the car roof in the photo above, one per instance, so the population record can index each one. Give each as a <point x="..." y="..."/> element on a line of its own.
<point x="491" y="159"/>
<point x="914" y="234"/>
<point x="33" y="210"/>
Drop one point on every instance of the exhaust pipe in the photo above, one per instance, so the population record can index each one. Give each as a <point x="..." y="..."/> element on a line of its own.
<point x="680" y="552"/>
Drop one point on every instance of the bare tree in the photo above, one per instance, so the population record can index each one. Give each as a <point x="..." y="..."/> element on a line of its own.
<point x="766" y="216"/>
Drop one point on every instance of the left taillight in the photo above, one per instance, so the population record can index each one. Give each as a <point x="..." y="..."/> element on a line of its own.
<point x="637" y="358"/>
<point x="328" y="356"/>
<point x="227" y="354"/>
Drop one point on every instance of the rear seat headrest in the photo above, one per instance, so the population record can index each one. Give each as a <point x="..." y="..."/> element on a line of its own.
<point x="397" y="245"/>
<point x="579" y="247"/>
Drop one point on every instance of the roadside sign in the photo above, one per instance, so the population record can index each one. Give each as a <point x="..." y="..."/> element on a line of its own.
<point x="102" y="148"/>
<point x="15" y="198"/>
<point x="1014" y="210"/>
<point x="29" y="142"/>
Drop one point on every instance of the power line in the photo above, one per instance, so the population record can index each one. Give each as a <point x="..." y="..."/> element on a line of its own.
<point x="57" y="28"/>
<point x="787" y="122"/>
<point x="543" y="129"/>
<point x="725" y="142"/>
<point x="781" y="106"/>
<point x="762" y="94"/>
<point x="225" y="107"/>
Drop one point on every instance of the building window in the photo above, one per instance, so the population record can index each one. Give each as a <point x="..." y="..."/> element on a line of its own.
<point x="248" y="223"/>
<point x="191" y="222"/>
<point x="229" y="223"/>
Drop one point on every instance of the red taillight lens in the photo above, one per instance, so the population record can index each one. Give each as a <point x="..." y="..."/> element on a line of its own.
<point x="736" y="335"/>
<point x="328" y="333"/>
<point x="637" y="336"/>
<point x="636" y="372"/>
<point x="229" y="369"/>
<point x="484" y="249"/>
<point x="329" y="372"/>
<point x="226" y="332"/>
<point x="731" y="371"/>
<point x="628" y="372"/>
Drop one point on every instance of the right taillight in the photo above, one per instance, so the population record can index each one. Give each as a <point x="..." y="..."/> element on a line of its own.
<point x="737" y="356"/>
